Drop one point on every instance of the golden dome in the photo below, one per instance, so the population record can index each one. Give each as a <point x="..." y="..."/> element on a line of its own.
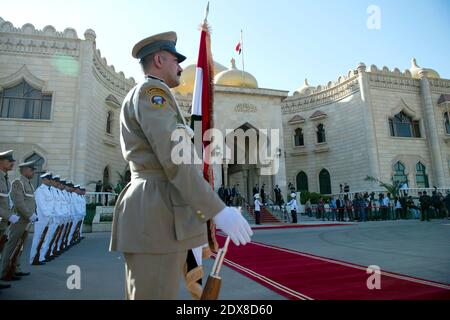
<point x="236" y="78"/>
<point x="305" y="89"/>
<point x="187" y="80"/>
<point x="415" y="71"/>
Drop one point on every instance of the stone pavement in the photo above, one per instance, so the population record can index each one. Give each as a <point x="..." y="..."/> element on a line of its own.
<point x="413" y="248"/>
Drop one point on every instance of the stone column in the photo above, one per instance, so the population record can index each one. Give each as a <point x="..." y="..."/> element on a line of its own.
<point x="245" y="187"/>
<point x="430" y="127"/>
<point x="225" y="174"/>
<point x="80" y="154"/>
<point x="371" y="139"/>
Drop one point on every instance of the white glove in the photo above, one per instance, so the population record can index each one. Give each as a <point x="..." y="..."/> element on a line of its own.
<point x="14" y="218"/>
<point x="234" y="225"/>
<point x="34" y="217"/>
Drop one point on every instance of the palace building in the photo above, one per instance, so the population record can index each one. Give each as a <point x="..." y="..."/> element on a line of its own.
<point x="60" y="104"/>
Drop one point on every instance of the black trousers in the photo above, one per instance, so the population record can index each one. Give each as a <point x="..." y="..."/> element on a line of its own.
<point x="258" y="217"/>
<point x="294" y="216"/>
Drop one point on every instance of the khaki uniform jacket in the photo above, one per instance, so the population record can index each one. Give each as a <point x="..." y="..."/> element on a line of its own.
<point x="165" y="207"/>
<point x="22" y="195"/>
<point x="5" y="212"/>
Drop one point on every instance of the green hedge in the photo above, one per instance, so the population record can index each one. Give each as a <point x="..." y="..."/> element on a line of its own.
<point x="90" y="213"/>
<point x="313" y="197"/>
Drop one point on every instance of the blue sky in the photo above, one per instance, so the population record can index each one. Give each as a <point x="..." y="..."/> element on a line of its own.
<point x="285" y="41"/>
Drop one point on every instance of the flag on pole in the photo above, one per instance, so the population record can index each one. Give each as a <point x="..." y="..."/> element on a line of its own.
<point x="239" y="48"/>
<point x="202" y="110"/>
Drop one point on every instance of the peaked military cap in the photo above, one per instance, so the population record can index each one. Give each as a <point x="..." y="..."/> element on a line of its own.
<point x="7" y="155"/>
<point x="29" y="164"/>
<point x="166" y="41"/>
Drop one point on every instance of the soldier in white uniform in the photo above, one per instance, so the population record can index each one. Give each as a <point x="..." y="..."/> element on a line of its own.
<point x="83" y="215"/>
<point x="62" y="213"/>
<point x="53" y="227"/>
<point x="76" y="207"/>
<point x="44" y="210"/>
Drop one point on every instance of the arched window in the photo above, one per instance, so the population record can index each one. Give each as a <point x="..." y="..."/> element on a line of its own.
<point x="421" y="176"/>
<point x="325" y="182"/>
<point x="403" y="126"/>
<point x="321" y="138"/>
<point x="447" y="123"/>
<point x="302" y="182"/>
<point x="24" y="102"/>
<point x="109" y="122"/>
<point x="298" y="138"/>
<point x="399" y="173"/>
<point x="39" y="162"/>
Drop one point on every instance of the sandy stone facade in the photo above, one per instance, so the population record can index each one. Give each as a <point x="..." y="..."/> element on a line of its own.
<point x="379" y="122"/>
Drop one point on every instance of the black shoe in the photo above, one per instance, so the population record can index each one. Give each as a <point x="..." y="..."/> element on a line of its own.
<point x="14" y="278"/>
<point x="21" y="274"/>
<point x="4" y="286"/>
<point x="40" y="263"/>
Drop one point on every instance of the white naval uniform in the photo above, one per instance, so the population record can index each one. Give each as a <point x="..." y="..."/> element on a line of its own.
<point x="83" y="213"/>
<point x="44" y="209"/>
<point x="65" y="214"/>
<point x="54" y="222"/>
<point x="76" y="207"/>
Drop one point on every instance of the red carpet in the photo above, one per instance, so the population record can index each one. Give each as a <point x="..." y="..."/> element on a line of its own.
<point x="296" y="226"/>
<point x="297" y="275"/>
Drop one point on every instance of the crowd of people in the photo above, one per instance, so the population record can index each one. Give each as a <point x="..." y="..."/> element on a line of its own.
<point x="371" y="207"/>
<point x="56" y="208"/>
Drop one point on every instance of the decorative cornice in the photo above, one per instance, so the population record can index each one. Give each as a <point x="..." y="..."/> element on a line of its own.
<point x="28" y="40"/>
<point x="393" y="80"/>
<point x="113" y="80"/>
<point x="332" y="93"/>
<point x="29" y="29"/>
<point x="440" y="85"/>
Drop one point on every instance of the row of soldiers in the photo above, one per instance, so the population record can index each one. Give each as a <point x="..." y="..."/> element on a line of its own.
<point x="57" y="209"/>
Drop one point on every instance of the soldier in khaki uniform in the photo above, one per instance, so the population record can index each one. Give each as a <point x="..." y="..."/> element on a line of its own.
<point x="162" y="212"/>
<point x="6" y="215"/>
<point x="22" y="195"/>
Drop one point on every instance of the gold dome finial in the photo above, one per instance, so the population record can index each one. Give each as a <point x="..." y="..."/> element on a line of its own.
<point x="233" y="64"/>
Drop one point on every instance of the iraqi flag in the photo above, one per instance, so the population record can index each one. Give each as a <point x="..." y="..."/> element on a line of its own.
<point x="202" y="110"/>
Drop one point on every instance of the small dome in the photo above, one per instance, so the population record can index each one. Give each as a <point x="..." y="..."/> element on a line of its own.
<point x="187" y="80"/>
<point x="89" y="34"/>
<point x="305" y="89"/>
<point x="234" y="77"/>
<point x="415" y="69"/>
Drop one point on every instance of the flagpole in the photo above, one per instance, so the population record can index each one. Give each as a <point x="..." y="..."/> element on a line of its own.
<point x="206" y="14"/>
<point x="243" y="60"/>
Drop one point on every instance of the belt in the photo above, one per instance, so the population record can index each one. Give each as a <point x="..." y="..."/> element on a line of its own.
<point x="157" y="175"/>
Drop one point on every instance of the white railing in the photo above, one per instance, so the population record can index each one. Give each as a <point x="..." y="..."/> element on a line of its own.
<point x="414" y="192"/>
<point x="104" y="198"/>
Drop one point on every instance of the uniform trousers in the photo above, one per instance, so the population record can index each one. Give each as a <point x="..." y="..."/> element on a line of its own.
<point x="48" y="238"/>
<point x="15" y="233"/>
<point x="153" y="276"/>
<point x="39" y="227"/>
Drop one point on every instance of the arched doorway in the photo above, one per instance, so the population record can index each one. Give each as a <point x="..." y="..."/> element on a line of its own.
<point x="244" y="170"/>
